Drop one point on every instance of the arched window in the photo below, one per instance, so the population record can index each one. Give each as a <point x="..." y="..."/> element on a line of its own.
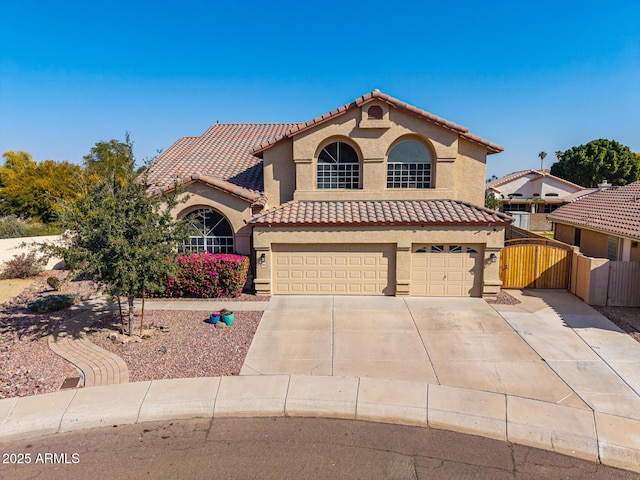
<point x="208" y="231"/>
<point x="338" y="167"/>
<point x="409" y="166"/>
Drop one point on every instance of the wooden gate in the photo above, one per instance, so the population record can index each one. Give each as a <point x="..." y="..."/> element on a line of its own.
<point x="534" y="263"/>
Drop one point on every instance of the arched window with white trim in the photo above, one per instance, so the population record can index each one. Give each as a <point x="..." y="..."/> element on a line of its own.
<point x="409" y="166"/>
<point x="208" y="231"/>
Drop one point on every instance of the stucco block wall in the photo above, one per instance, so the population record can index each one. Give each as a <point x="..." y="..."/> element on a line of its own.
<point x="538" y="223"/>
<point x="594" y="244"/>
<point x="10" y="247"/>
<point x="564" y="233"/>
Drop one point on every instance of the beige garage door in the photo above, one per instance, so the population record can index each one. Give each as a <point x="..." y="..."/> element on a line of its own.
<point x="333" y="269"/>
<point x="446" y="270"/>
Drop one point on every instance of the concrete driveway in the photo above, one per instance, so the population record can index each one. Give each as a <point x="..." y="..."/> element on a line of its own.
<point x="536" y="349"/>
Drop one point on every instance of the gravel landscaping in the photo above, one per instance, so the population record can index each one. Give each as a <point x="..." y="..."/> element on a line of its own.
<point x="27" y="365"/>
<point x="186" y="346"/>
<point x="190" y="347"/>
<point x="177" y="344"/>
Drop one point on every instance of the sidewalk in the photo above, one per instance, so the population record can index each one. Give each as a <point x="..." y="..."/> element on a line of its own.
<point x="581" y="433"/>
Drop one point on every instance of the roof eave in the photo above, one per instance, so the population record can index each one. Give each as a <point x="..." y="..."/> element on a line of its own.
<point x="219" y="184"/>
<point x="595" y="229"/>
<point x="492" y="148"/>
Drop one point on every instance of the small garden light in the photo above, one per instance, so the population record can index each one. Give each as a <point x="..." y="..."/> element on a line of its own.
<point x="493" y="258"/>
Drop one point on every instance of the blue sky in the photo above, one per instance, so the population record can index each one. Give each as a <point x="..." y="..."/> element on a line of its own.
<point x="531" y="76"/>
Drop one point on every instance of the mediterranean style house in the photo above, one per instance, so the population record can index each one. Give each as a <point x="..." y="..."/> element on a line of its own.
<point x="604" y="224"/>
<point x="376" y="197"/>
<point x="533" y="194"/>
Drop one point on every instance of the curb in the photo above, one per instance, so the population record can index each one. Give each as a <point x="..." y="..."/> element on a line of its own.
<point x="577" y="432"/>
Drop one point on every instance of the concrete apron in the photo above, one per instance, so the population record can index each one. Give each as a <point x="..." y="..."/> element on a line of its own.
<point x="461" y="342"/>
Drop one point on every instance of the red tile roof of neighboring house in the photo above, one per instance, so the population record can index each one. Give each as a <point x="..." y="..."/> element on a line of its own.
<point x="614" y="211"/>
<point x="381" y="212"/>
<point x="522" y="173"/>
<point x="378" y="95"/>
<point x="222" y="155"/>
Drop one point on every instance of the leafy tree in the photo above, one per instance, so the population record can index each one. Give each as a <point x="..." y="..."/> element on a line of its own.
<point x="117" y="234"/>
<point x="490" y="200"/>
<point x="598" y="160"/>
<point x="113" y="160"/>
<point x="29" y="189"/>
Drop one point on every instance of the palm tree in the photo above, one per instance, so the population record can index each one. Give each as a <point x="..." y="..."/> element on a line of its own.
<point x="542" y="155"/>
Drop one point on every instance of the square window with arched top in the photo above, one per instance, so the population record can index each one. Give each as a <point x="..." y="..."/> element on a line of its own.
<point x="409" y="166"/>
<point x="338" y="167"/>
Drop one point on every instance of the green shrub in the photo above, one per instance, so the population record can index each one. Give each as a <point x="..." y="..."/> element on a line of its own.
<point x="54" y="282"/>
<point x="23" y="265"/>
<point x="53" y="303"/>
<point x="12" y="227"/>
<point x="208" y="275"/>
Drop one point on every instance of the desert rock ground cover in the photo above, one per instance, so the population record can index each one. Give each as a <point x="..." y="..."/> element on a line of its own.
<point x="176" y="344"/>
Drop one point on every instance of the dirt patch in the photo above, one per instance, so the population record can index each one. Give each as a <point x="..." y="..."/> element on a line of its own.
<point x="627" y="318"/>
<point x="11" y="288"/>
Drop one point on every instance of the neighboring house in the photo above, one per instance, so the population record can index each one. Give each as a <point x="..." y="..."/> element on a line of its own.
<point x="376" y="197"/>
<point x="604" y="224"/>
<point x="534" y="192"/>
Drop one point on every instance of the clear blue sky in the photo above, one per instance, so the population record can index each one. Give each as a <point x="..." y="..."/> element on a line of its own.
<point x="532" y="76"/>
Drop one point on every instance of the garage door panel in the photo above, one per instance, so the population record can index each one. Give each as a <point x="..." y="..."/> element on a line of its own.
<point x="334" y="269"/>
<point x="446" y="270"/>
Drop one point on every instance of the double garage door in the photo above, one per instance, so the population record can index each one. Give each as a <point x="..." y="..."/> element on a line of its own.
<point x="334" y="269"/>
<point x="436" y="270"/>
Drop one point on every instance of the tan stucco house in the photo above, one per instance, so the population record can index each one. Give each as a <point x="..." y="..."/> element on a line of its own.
<point x="376" y="197"/>
<point x="604" y="224"/>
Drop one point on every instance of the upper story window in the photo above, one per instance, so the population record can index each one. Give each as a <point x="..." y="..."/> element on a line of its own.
<point x="208" y="231"/>
<point x="409" y="166"/>
<point x="338" y="167"/>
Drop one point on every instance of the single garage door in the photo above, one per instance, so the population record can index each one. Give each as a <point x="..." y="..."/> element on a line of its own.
<point x="333" y="269"/>
<point x="446" y="270"/>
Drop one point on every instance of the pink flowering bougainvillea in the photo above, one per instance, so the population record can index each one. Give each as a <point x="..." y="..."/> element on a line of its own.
<point x="208" y="275"/>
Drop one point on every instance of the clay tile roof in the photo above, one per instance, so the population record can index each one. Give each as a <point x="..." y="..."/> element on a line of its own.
<point x="377" y="94"/>
<point x="382" y="212"/>
<point x="615" y="211"/>
<point x="221" y="157"/>
<point x="522" y="173"/>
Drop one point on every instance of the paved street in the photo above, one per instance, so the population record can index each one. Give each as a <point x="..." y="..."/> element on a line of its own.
<point x="291" y="448"/>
